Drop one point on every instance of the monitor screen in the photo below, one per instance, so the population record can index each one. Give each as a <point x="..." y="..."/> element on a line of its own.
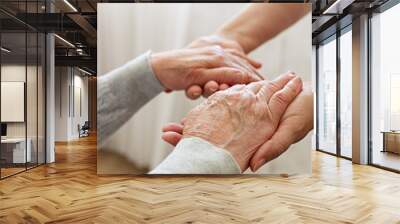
<point x="3" y="129"/>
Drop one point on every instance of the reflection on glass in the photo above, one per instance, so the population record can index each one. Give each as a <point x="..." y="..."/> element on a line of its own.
<point x="327" y="97"/>
<point x="385" y="114"/>
<point x="346" y="94"/>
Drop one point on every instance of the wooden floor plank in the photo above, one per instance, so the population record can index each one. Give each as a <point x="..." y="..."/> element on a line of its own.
<point x="69" y="191"/>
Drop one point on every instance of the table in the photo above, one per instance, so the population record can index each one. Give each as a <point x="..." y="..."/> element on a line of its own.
<point x="391" y="141"/>
<point x="13" y="150"/>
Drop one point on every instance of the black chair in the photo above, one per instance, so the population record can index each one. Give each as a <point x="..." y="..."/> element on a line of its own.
<point x="84" y="130"/>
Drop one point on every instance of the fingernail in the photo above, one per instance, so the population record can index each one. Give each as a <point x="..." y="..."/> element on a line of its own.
<point x="259" y="164"/>
<point x="196" y="93"/>
<point x="214" y="88"/>
<point x="297" y="80"/>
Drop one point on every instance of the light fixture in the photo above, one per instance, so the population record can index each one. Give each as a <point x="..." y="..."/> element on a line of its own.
<point x="337" y="7"/>
<point x="70" y="5"/>
<point x="5" y="50"/>
<point x="65" y="41"/>
<point x="84" y="71"/>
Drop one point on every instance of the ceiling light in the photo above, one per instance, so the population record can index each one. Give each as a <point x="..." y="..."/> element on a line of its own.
<point x="70" y="5"/>
<point x="84" y="71"/>
<point x="337" y="7"/>
<point x="65" y="41"/>
<point x="5" y="50"/>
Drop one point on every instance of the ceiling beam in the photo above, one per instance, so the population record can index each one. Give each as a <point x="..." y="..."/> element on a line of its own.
<point x="79" y="61"/>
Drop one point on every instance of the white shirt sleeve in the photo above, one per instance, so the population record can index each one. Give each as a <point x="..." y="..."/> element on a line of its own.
<point x="197" y="156"/>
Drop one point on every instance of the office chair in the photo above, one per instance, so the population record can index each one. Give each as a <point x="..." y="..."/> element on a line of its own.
<point x="84" y="130"/>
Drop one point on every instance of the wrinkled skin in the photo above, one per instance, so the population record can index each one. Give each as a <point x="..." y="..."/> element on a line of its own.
<point x="179" y="69"/>
<point x="295" y="124"/>
<point x="241" y="118"/>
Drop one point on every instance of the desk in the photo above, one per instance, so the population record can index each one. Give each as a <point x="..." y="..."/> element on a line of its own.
<point x="13" y="150"/>
<point x="391" y="141"/>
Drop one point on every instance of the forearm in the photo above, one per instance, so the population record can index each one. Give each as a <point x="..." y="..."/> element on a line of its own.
<point x="122" y="92"/>
<point x="197" y="156"/>
<point x="261" y="22"/>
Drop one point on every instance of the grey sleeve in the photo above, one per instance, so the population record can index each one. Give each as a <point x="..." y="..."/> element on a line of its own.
<point x="197" y="156"/>
<point x="122" y="92"/>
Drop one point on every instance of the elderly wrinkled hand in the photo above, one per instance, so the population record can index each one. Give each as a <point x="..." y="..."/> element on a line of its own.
<point x="295" y="124"/>
<point x="243" y="117"/>
<point x="180" y="69"/>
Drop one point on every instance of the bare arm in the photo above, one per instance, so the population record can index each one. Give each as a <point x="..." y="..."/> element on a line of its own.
<point x="255" y="25"/>
<point x="261" y="22"/>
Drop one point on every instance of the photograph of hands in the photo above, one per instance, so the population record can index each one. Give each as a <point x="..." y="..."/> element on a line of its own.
<point x="243" y="118"/>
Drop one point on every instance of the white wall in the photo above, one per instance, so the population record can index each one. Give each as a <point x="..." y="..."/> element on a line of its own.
<point x="67" y="81"/>
<point x="127" y="30"/>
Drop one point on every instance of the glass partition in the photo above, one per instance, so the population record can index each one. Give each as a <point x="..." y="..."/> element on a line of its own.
<point x="22" y="77"/>
<point x="41" y="107"/>
<point x="33" y="57"/>
<point x="14" y="153"/>
<point x="32" y="95"/>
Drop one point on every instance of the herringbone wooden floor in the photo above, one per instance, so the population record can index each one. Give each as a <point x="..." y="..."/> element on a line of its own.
<point x="69" y="191"/>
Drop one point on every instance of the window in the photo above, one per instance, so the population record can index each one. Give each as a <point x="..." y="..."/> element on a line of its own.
<point x="346" y="93"/>
<point x="385" y="89"/>
<point x="327" y="97"/>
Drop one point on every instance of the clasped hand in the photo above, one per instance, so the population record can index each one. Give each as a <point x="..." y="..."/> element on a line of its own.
<point x="255" y="123"/>
<point x="211" y="68"/>
<point x="241" y="119"/>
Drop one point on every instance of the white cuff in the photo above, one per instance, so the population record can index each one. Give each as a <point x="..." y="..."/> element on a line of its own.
<point x="196" y="156"/>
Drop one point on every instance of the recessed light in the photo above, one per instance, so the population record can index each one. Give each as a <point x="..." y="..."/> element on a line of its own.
<point x="65" y="41"/>
<point x="70" y="5"/>
<point x="5" y="50"/>
<point x="84" y="71"/>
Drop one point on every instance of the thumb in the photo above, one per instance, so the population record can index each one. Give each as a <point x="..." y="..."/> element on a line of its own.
<point x="282" y="98"/>
<point x="227" y="75"/>
<point x="171" y="137"/>
<point x="273" y="148"/>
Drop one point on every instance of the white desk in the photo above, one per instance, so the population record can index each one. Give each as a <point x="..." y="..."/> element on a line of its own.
<point x="19" y="149"/>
